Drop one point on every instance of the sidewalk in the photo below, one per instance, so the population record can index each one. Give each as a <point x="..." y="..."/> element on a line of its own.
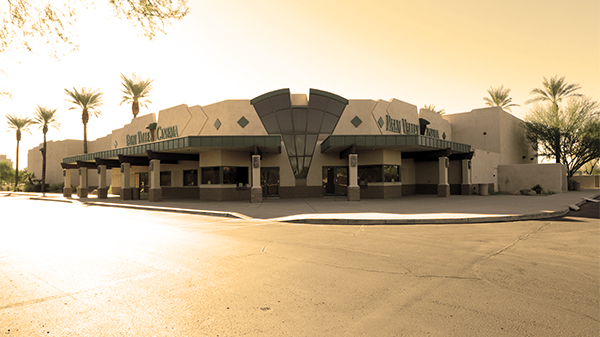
<point x="415" y="209"/>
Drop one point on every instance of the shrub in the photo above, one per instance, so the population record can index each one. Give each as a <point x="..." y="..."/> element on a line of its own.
<point x="56" y="188"/>
<point x="538" y="189"/>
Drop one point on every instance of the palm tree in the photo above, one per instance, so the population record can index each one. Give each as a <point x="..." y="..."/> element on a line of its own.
<point x="432" y="108"/>
<point x="553" y="91"/>
<point x="45" y="117"/>
<point x="19" y="124"/>
<point x="136" y="91"/>
<point x="89" y="101"/>
<point x="499" y="97"/>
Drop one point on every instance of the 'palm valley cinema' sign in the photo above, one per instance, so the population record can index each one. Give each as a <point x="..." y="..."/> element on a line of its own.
<point x="149" y="136"/>
<point x="404" y="127"/>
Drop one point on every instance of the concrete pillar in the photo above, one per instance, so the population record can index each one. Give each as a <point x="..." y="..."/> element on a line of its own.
<point x="256" y="193"/>
<point x="102" y="188"/>
<point x="353" y="188"/>
<point x="67" y="189"/>
<point x="126" y="192"/>
<point x="82" y="189"/>
<point x="443" y="186"/>
<point x="465" y="186"/>
<point x="155" y="192"/>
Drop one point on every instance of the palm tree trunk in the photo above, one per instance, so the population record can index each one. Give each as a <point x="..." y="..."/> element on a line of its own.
<point x="85" y="138"/>
<point x="17" y="170"/>
<point x="44" y="167"/>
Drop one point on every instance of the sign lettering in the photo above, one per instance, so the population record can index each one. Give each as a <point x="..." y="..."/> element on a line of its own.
<point x="146" y="137"/>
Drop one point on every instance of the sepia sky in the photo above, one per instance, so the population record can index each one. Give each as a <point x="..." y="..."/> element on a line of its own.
<point x="428" y="52"/>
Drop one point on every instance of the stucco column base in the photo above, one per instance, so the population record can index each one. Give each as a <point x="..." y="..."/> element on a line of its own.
<point x="102" y="192"/>
<point x="465" y="189"/>
<point x="67" y="192"/>
<point x="256" y="194"/>
<point x="126" y="193"/>
<point x="82" y="192"/>
<point x="443" y="190"/>
<point x="155" y="194"/>
<point x="353" y="193"/>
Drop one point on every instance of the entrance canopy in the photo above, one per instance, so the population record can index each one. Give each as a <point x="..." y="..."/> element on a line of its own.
<point x="177" y="149"/>
<point x="411" y="146"/>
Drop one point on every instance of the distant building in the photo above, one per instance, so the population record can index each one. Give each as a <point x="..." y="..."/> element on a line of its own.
<point x="293" y="145"/>
<point x="4" y="158"/>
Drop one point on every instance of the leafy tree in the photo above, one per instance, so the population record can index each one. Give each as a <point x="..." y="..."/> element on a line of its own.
<point x="553" y="91"/>
<point x="19" y="124"/>
<point x="45" y="117"/>
<point x="89" y="101"/>
<point x="7" y="172"/>
<point x="570" y="133"/>
<point x="136" y="92"/>
<point x="34" y="24"/>
<point x="499" y="97"/>
<point x="432" y="108"/>
<point x="592" y="167"/>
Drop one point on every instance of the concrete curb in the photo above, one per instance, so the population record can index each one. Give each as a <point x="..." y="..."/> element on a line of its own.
<point x="331" y="221"/>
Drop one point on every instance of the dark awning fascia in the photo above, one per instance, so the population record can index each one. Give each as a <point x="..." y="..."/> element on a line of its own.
<point x="338" y="143"/>
<point x="267" y="144"/>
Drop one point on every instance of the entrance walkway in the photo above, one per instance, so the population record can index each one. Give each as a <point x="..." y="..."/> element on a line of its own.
<point x="406" y="210"/>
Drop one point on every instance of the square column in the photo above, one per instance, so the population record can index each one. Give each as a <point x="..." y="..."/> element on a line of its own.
<point x="82" y="189"/>
<point x="126" y="192"/>
<point x="155" y="192"/>
<point x="256" y="193"/>
<point x="353" y="188"/>
<point x="67" y="189"/>
<point x="443" y="186"/>
<point x="102" y="189"/>
<point x="465" y="186"/>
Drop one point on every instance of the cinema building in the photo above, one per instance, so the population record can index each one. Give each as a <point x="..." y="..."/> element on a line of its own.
<point x="283" y="145"/>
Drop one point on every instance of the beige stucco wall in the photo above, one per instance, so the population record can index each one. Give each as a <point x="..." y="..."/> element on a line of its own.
<point x="588" y="181"/>
<point x="495" y="136"/>
<point x="551" y="177"/>
<point x="229" y="113"/>
<point x="437" y="122"/>
<point x="56" y="151"/>
<point x="361" y="108"/>
<point x="407" y="172"/>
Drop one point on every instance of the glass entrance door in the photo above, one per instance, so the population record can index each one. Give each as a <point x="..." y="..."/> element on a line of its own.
<point x="269" y="181"/>
<point x="143" y="182"/>
<point x="335" y="180"/>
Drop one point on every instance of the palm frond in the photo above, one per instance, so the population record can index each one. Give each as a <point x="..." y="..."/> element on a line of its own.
<point x="46" y="117"/>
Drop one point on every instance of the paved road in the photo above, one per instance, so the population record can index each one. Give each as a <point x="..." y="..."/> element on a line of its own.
<point x="76" y="270"/>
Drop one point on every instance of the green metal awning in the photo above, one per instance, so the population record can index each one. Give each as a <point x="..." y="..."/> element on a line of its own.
<point x="403" y="143"/>
<point x="188" y="145"/>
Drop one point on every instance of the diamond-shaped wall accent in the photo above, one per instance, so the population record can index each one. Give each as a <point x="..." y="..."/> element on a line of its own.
<point x="243" y="122"/>
<point x="444" y="136"/>
<point x="356" y="121"/>
<point x="380" y="122"/>
<point x="217" y="124"/>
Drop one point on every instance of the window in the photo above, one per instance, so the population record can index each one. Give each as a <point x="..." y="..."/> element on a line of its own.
<point x="190" y="178"/>
<point x="369" y="174"/>
<point x="211" y="175"/>
<point x="378" y="173"/>
<point x="165" y="178"/>
<point x="391" y="173"/>
<point x="235" y="175"/>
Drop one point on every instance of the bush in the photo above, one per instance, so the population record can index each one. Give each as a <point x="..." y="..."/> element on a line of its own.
<point x="56" y="188"/>
<point x="538" y="189"/>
